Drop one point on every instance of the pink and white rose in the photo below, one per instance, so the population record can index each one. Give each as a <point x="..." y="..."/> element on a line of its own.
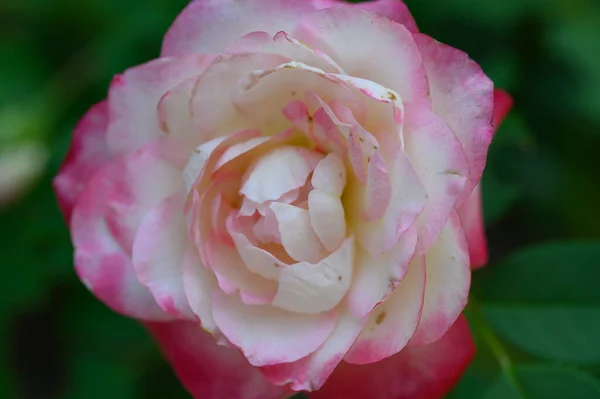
<point x="288" y="198"/>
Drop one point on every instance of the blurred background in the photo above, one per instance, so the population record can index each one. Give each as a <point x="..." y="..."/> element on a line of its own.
<point x="534" y="312"/>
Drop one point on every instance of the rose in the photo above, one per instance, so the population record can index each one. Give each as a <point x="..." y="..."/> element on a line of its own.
<point x="296" y="179"/>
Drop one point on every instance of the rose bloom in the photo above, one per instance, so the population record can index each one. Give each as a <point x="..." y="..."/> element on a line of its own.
<point x="288" y="199"/>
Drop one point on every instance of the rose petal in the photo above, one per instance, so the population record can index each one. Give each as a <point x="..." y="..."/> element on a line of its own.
<point x="263" y="95"/>
<point x="134" y="96"/>
<point x="213" y="111"/>
<point x="354" y="38"/>
<point x="471" y="219"/>
<point x="256" y="259"/>
<point x="377" y="276"/>
<point x="311" y="372"/>
<point x="330" y="175"/>
<point x="502" y="104"/>
<point x="462" y="95"/>
<point x="313" y="288"/>
<point x="278" y="172"/>
<point x="327" y="218"/>
<point x="100" y="262"/>
<point x="199" y="283"/>
<point x="394" y="9"/>
<point x="209" y="26"/>
<point x="285" y="45"/>
<point x="88" y="153"/>
<point x="297" y="235"/>
<point x="407" y="201"/>
<point x="392" y="324"/>
<point x="442" y="167"/>
<point x="207" y="370"/>
<point x="420" y="372"/>
<point x="268" y="335"/>
<point x="448" y="281"/>
<point x="140" y="182"/>
<point x="158" y="254"/>
<point x="196" y="162"/>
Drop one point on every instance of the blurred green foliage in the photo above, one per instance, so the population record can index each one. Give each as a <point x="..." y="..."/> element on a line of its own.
<point x="534" y="312"/>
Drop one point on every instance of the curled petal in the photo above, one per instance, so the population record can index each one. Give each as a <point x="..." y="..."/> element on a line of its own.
<point x="311" y="372"/>
<point x="407" y="201"/>
<point x="392" y="324"/>
<point x="286" y="46"/>
<point x="327" y="218"/>
<point x="354" y="38"/>
<point x="378" y="191"/>
<point x="376" y="277"/>
<point x="213" y="112"/>
<point x="256" y="259"/>
<point x="199" y="283"/>
<point x="196" y="162"/>
<point x="420" y="372"/>
<point x="297" y="235"/>
<point x="264" y="94"/>
<point x="330" y="175"/>
<point x="278" y="172"/>
<point x="448" y="281"/>
<point x="268" y="335"/>
<point x="314" y="288"/>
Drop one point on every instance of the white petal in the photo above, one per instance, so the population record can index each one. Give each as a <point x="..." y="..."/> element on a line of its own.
<point x="377" y="276"/>
<point x="297" y="235"/>
<point x="268" y="335"/>
<point x="278" y="172"/>
<point x="314" y="288"/>
<point x="327" y="218"/>
<point x="330" y="175"/>
<point x="393" y="323"/>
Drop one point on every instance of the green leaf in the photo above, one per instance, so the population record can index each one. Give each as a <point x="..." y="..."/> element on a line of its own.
<point x="545" y="301"/>
<point x="552" y="332"/>
<point x="559" y="273"/>
<point x="546" y="382"/>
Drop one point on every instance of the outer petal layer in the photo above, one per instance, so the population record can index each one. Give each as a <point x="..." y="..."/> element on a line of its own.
<point x="100" y="261"/>
<point x="462" y="95"/>
<point x="134" y="96"/>
<point x="448" y="280"/>
<point x="354" y="38"/>
<point x="207" y="370"/>
<point x="88" y="153"/>
<point x="471" y="218"/>
<point x="208" y="26"/>
<point x="421" y="372"/>
<point x="394" y="9"/>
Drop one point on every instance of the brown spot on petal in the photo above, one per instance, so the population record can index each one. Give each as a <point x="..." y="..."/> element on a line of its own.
<point x="380" y="318"/>
<point x="392" y="96"/>
<point x="362" y="140"/>
<point x="339" y="278"/>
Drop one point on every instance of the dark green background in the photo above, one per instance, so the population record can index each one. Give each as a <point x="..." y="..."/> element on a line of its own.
<point x="535" y="311"/>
